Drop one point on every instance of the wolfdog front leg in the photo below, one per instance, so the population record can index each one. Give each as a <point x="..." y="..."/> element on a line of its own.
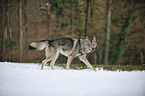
<point x="69" y="60"/>
<point x="45" y="61"/>
<point x="84" y="59"/>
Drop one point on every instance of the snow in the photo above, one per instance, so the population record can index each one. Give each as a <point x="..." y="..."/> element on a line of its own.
<point x="26" y="79"/>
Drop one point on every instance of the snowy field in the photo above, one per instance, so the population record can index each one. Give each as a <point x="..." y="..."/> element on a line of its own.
<point x="25" y="79"/>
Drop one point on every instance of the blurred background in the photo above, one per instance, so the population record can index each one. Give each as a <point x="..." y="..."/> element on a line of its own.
<point x="118" y="25"/>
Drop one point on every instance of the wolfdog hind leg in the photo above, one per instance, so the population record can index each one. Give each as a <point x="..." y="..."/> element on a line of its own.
<point x="45" y="61"/>
<point x="69" y="60"/>
<point x="84" y="59"/>
<point x="53" y="61"/>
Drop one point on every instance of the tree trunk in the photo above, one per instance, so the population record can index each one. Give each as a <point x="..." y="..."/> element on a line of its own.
<point x="71" y="21"/>
<point x="9" y="32"/>
<point x="21" y="31"/>
<point x="87" y="18"/>
<point x="92" y="29"/>
<point x="49" y="20"/>
<point x="121" y="43"/>
<point x="3" y="27"/>
<point x="95" y="58"/>
<point x="108" y="32"/>
<point x="141" y="57"/>
<point x="26" y="29"/>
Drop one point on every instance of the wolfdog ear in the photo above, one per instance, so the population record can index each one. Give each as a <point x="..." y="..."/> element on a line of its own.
<point x="94" y="40"/>
<point x="86" y="37"/>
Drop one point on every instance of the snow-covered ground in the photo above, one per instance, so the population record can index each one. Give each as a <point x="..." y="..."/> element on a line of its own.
<point x="25" y="79"/>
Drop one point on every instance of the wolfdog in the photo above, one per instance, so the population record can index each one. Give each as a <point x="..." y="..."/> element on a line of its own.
<point x="69" y="47"/>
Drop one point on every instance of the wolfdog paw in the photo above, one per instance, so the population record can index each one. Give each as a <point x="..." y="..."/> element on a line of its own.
<point x="94" y="70"/>
<point x="52" y="68"/>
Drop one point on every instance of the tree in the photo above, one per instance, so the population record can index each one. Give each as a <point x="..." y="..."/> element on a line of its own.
<point x="87" y="18"/>
<point x="72" y="17"/>
<point x="3" y="16"/>
<point x="20" y="31"/>
<point x="108" y="31"/>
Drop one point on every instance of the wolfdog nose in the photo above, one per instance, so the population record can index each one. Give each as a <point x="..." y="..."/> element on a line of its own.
<point x="91" y="49"/>
<point x="31" y="48"/>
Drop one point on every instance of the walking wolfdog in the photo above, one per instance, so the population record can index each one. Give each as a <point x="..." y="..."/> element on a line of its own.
<point x="69" y="47"/>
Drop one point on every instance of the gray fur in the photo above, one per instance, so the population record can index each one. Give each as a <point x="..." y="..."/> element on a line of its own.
<point x="69" y="47"/>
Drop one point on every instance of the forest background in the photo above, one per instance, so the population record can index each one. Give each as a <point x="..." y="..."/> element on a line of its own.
<point x="118" y="25"/>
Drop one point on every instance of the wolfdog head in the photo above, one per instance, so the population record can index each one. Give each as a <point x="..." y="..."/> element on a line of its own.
<point x="90" y="46"/>
<point x="38" y="45"/>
